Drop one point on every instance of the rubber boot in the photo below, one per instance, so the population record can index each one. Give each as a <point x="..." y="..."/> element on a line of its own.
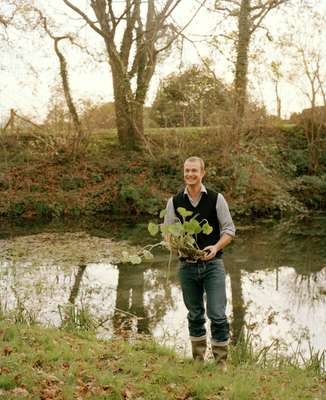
<point x="220" y="354"/>
<point x="198" y="349"/>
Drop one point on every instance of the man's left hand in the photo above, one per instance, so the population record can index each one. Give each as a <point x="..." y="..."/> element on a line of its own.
<point x="210" y="252"/>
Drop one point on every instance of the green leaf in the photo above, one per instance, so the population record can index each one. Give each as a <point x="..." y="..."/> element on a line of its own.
<point x="164" y="229"/>
<point x="207" y="229"/>
<point x="176" y="229"/>
<point x="192" y="227"/>
<point x="183" y="212"/>
<point x="162" y="213"/>
<point x="188" y="227"/>
<point x="153" y="228"/>
<point x="195" y="226"/>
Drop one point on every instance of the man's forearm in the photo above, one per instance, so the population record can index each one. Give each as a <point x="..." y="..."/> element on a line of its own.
<point x="225" y="239"/>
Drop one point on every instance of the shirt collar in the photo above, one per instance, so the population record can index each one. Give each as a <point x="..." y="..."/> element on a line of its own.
<point x="202" y="190"/>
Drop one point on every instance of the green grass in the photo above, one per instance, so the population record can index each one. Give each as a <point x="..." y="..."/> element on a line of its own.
<point x="55" y="364"/>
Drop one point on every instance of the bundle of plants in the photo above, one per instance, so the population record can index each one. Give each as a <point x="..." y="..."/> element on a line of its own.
<point x="179" y="237"/>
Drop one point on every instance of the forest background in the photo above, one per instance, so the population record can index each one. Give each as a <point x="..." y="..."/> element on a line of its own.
<point x="122" y="154"/>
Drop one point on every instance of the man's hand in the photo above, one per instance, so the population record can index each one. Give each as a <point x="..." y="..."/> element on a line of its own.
<point x="210" y="252"/>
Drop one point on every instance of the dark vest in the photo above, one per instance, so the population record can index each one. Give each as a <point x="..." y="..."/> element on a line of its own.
<point x="206" y="210"/>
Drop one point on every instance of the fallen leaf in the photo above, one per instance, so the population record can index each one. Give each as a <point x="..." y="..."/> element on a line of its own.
<point x="21" y="392"/>
<point x="126" y="393"/>
<point x="52" y="379"/>
<point x="7" y="350"/>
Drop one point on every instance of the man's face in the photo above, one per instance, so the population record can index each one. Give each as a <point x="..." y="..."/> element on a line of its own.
<point x="193" y="173"/>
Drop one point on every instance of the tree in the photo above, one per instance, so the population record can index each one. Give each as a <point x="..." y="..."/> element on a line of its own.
<point x="194" y="97"/>
<point x="276" y="75"/>
<point x="80" y="134"/>
<point x="303" y="45"/>
<point x="314" y="118"/>
<point x="57" y="119"/>
<point x="135" y="35"/>
<point x="250" y="15"/>
<point x="98" y="116"/>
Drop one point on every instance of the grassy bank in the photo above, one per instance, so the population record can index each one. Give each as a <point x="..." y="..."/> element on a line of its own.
<point x="44" y="363"/>
<point x="266" y="177"/>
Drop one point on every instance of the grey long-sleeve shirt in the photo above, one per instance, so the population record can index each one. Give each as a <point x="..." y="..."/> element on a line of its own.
<point x="222" y="212"/>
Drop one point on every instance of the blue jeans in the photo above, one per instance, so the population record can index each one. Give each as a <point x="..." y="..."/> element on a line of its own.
<point x="199" y="278"/>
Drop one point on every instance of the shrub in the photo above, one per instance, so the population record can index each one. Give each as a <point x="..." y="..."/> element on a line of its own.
<point x="310" y="190"/>
<point x="72" y="182"/>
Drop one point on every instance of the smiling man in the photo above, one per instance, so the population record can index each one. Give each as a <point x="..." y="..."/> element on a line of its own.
<point x="206" y="275"/>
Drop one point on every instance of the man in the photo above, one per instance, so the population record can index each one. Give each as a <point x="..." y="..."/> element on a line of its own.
<point x="206" y="275"/>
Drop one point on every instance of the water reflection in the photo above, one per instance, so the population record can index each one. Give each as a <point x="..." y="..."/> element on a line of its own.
<point x="76" y="286"/>
<point x="276" y="284"/>
<point x="130" y="312"/>
<point x="238" y="307"/>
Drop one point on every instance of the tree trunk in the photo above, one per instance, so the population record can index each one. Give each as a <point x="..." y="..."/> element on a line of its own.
<point x="129" y="111"/>
<point x="278" y="101"/>
<point x="313" y="163"/>
<point x="312" y="133"/>
<point x="128" y="114"/>
<point x="241" y="68"/>
<point x="312" y="139"/>
<point x="129" y="123"/>
<point x="279" y="107"/>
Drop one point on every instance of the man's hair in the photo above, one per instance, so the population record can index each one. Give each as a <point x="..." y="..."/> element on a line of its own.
<point x="197" y="159"/>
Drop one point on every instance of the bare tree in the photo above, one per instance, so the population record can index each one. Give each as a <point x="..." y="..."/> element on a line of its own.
<point x="313" y="119"/>
<point x="276" y="75"/>
<point x="134" y="33"/>
<point x="80" y="134"/>
<point x="250" y="15"/>
<point x="304" y="45"/>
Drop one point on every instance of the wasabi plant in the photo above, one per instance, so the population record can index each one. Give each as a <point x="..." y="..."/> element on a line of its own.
<point x="179" y="237"/>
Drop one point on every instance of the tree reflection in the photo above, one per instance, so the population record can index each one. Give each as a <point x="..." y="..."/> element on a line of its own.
<point x="130" y="313"/>
<point x="238" y="307"/>
<point x="159" y="283"/>
<point x="135" y="313"/>
<point x="76" y="286"/>
<point x="309" y="289"/>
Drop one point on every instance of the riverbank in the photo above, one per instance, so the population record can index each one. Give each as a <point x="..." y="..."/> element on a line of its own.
<point x="45" y="363"/>
<point x="267" y="178"/>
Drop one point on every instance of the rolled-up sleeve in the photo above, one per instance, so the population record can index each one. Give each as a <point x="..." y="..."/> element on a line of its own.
<point x="224" y="216"/>
<point x="169" y="217"/>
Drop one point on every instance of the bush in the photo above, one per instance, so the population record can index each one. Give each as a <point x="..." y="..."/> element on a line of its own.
<point x="310" y="190"/>
<point x="137" y="198"/>
<point x="72" y="182"/>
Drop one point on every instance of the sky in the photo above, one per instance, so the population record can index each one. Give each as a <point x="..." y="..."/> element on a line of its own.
<point x="28" y="82"/>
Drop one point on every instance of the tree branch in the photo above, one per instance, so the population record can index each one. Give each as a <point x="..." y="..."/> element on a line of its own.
<point x="85" y="17"/>
<point x="128" y="33"/>
<point x="264" y="10"/>
<point x="182" y="30"/>
<point x="3" y="21"/>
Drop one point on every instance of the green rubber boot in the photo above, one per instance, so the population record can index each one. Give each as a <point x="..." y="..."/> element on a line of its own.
<point x="220" y="354"/>
<point x="198" y="349"/>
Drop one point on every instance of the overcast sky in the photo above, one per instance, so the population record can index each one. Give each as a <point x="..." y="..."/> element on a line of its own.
<point x="27" y="81"/>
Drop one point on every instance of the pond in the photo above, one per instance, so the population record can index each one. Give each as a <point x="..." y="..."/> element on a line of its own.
<point x="276" y="282"/>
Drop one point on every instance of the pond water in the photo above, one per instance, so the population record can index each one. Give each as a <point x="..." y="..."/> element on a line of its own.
<point x="276" y="283"/>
